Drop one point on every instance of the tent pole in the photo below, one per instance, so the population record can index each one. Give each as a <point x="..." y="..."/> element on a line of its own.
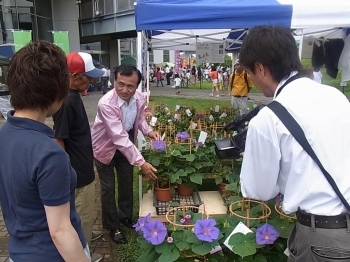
<point x="139" y="55"/>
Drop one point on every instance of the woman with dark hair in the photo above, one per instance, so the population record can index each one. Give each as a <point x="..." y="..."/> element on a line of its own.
<point x="37" y="182"/>
<point x="159" y="77"/>
<point x="214" y="77"/>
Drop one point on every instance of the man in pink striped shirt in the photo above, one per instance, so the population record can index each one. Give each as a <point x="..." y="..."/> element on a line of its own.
<point x="120" y="114"/>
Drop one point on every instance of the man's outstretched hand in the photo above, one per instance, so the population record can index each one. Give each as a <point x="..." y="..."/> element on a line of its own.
<point x="149" y="171"/>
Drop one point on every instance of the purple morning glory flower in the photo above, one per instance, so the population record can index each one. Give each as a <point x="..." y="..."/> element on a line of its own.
<point x="266" y="234"/>
<point x="199" y="144"/>
<point x="170" y="240"/>
<point x="154" y="232"/>
<point x="183" y="135"/>
<point x="158" y="145"/>
<point x="279" y="198"/>
<point x="205" y="230"/>
<point x="187" y="217"/>
<point x="182" y="221"/>
<point x="141" y="222"/>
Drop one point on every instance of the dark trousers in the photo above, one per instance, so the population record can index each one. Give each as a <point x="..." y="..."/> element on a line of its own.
<point x="104" y="83"/>
<point x="168" y="75"/>
<point x="111" y="215"/>
<point x="310" y="244"/>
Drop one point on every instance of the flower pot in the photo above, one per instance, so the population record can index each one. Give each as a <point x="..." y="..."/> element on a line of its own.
<point x="183" y="190"/>
<point x="223" y="190"/>
<point x="163" y="194"/>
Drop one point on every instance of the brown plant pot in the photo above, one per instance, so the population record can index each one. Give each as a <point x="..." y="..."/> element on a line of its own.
<point x="163" y="194"/>
<point x="183" y="190"/>
<point x="223" y="190"/>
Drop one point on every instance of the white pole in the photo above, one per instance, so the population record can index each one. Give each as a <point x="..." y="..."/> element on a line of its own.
<point x="147" y="74"/>
<point x="139" y="55"/>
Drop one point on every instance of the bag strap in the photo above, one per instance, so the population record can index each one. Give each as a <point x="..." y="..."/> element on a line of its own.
<point x="297" y="132"/>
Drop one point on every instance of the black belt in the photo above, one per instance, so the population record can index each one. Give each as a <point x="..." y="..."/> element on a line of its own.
<point x="329" y="222"/>
<point x="239" y="96"/>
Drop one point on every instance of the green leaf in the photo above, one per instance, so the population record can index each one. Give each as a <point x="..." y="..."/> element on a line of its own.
<point x="190" y="170"/>
<point x="182" y="239"/>
<point x="190" y="157"/>
<point x="155" y="161"/>
<point x="243" y="245"/>
<point x="170" y="256"/>
<point x="144" y="243"/>
<point x="218" y="180"/>
<point x="202" y="248"/>
<point x="181" y="173"/>
<point x="257" y="258"/>
<point x="196" y="178"/>
<point x="176" y="153"/>
<point x="232" y="187"/>
<point x="164" y="247"/>
<point x="283" y="226"/>
<point x="174" y="177"/>
<point x="148" y="256"/>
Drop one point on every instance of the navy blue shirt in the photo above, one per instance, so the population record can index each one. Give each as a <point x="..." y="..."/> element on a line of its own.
<point x="34" y="171"/>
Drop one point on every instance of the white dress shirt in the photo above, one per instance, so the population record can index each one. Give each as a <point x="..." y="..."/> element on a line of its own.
<point x="274" y="162"/>
<point x="129" y="111"/>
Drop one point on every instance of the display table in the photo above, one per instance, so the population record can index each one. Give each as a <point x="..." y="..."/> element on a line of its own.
<point x="214" y="205"/>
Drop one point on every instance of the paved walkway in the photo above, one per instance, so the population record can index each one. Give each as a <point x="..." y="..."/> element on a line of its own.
<point x="104" y="246"/>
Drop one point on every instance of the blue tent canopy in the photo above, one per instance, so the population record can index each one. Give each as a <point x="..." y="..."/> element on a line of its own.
<point x="206" y="14"/>
<point x="179" y="24"/>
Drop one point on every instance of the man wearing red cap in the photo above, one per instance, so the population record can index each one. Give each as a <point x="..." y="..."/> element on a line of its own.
<point x="72" y="132"/>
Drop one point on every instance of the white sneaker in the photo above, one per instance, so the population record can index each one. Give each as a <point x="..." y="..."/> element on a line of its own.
<point x="210" y="94"/>
<point x="96" y="257"/>
<point x="217" y="96"/>
<point x="96" y="235"/>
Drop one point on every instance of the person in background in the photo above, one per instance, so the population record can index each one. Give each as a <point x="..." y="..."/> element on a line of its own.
<point x="104" y="80"/>
<point x="225" y="78"/>
<point x="317" y="75"/>
<point x="240" y="84"/>
<point x="120" y="115"/>
<point x="177" y="81"/>
<point x="274" y="162"/>
<point x="37" y="181"/>
<point x="214" y="78"/>
<point x="72" y="132"/>
<point x="159" y="76"/>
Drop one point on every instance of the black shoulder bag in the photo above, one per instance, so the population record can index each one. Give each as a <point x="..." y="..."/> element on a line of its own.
<point x="297" y="132"/>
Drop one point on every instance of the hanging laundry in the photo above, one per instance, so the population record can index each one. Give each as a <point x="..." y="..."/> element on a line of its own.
<point x="344" y="61"/>
<point x="333" y="50"/>
<point x="317" y="58"/>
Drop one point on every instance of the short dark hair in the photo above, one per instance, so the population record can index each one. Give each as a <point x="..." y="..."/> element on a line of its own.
<point x="38" y="76"/>
<point x="272" y="46"/>
<point x="126" y="70"/>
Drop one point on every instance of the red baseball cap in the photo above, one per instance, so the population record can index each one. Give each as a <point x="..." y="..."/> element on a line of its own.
<point x="79" y="62"/>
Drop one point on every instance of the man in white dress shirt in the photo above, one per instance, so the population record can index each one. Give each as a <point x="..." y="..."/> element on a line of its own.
<point x="274" y="162"/>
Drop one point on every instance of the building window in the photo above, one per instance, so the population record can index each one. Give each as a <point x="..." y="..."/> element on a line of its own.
<point x="125" y="5"/>
<point x="166" y="56"/>
<point x="109" y="6"/>
<point x="86" y="9"/>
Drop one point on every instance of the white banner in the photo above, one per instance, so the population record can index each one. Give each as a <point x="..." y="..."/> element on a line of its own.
<point x="210" y="53"/>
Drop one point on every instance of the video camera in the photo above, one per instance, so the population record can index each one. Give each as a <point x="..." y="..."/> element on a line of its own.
<point x="229" y="148"/>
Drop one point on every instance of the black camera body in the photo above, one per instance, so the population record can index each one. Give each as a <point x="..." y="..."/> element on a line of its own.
<point x="231" y="148"/>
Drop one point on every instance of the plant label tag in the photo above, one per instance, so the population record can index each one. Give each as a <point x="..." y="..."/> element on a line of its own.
<point x="202" y="137"/>
<point x="240" y="228"/>
<point x="215" y="249"/>
<point x="217" y="108"/>
<point x="177" y="107"/>
<point x="188" y="112"/>
<point x="167" y="111"/>
<point x="163" y="136"/>
<point x="193" y="126"/>
<point x="211" y="118"/>
<point x="223" y="115"/>
<point x="177" y="116"/>
<point x="153" y="121"/>
<point x="286" y="252"/>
